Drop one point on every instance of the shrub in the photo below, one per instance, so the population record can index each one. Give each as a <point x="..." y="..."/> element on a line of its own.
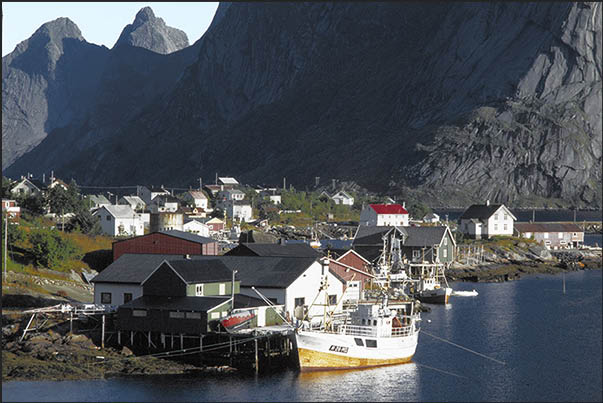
<point x="49" y="249"/>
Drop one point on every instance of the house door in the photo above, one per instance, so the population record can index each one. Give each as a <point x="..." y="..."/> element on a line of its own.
<point x="478" y="231"/>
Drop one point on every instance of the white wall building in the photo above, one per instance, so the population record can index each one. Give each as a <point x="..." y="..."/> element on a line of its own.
<point x="147" y="194"/>
<point x="384" y="215"/>
<point x="239" y="211"/>
<point x="120" y="221"/>
<point x="343" y="198"/>
<point x="197" y="198"/>
<point x="197" y="228"/>
<point x="487" y="220"/>
<point x="135" y="202"/>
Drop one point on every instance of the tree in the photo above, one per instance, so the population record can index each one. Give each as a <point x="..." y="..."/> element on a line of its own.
<point x="6" y="185"/>
<point x="49" y="249"/>
<point x="35" y="204"/>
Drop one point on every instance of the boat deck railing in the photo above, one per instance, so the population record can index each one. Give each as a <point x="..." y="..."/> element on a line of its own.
<point x="371" y="331"/>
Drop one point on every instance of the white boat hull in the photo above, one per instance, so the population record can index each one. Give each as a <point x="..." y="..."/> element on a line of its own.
<point x="435" y="296"/>
<point x="327" y="351"/>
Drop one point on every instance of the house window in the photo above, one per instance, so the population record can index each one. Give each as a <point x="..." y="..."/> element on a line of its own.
<point x="371" y="343"/>
<point x="546" y="235"/>
<point x="416" y="254"/>
<point x="506" y="217"/>
<point x="105" y="297"/>
<point x="193" y="315"/>
<point x="108" y="218"/>
<point x="215" y="315"/>
<point x="199" y="290"/>
<point x="495" y="227"/>
<point x="444" y="253"/>
<point x="445" y="241"/>
<point x="505" y="227"/>
<point x="332" y="299"/>
<point x="300" y="301"/>
<point x="127" y="297"/>
<point x="176" y="315"/>
<point x="222" y="290"/>
<point x="224" y="313"/>
<point x="496" y="217"/>
<point x="560" y="234"/>
<point x="139" y="313"/>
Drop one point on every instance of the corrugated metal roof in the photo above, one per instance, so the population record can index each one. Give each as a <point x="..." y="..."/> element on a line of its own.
<point x="120" y="211"/>
<point x="201" y="271"/>
<point x="273" y="249"/>
<point x="188" y="236"/>
<point x="197" y="194"/>
<point x="388" y="209"/>
<point x="372" y="234"/>
<point x="257" y="271"/>
<point x="480" y="211"/>
<point x="547" y="227"/>
<point x="424" y="236"/>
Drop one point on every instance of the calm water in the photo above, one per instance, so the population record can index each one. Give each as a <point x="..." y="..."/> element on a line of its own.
<point x="550" y="344"/>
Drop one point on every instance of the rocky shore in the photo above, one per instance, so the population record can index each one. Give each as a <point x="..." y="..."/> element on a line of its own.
<point x="56" y="354"/>
<point x="504" y="264"/>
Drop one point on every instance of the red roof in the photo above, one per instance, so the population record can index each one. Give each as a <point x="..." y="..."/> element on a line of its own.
<point x="388" y="209"/>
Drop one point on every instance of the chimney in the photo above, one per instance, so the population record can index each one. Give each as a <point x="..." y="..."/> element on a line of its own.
<point x="43" y="178"/>
<point x="487" y="202"/>
<point x="403" y="204"/>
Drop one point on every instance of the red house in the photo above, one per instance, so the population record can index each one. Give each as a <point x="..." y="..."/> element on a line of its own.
<point x="167" y="242"/>
<point x="356" y="272"/>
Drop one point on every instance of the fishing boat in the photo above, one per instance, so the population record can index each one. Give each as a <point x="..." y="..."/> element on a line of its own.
<point x="373" y="334"/>
<point x="431" y="286"/>
<point x="465" y="293"/>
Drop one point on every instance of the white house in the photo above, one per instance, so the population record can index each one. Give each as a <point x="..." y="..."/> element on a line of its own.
<point x="164" y="204"/>
<point x="431" y="217"/>
<point x="135" y="202"/>
<point x="487" y="220"/>
<point x="27" y="186"/>
<point x="239" y="211"/>
<point x="148" y="194"/>
<point x="120" y="220"/>
<point x="299" y="287"/>
<point x="196" y="227"/>
<point x="229" y="195"/>
<point x="291" y="281"/>
<point x="98" y="201"/>
<point x="343" y="198"/>
<point x="271" y="194"/>
<point x="197" y="198"/>
<point x="384" y="215"/>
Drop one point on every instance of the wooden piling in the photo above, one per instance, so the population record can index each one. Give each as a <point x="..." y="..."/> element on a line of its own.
<point x="119" y="337"/>
<point x="257" y="366"/>
<point x="103" y="333"/>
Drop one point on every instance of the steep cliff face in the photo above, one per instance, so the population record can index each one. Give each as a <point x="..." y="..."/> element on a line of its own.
<point x="150" y="32"/>
<point x="453" y="102"/>
<point x="93" y="96"/>
<point x="46" y="82"/>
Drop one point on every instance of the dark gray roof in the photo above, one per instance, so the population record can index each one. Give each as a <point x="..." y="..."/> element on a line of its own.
<point x="188" y="236"/>
<point x="198" y="304"/>
<point x="372" y="234"/>
<point x="201" y="271"/>
<point x="244" y="301"/>
<point x="547" y="227"/>
<point x="272" y="249"/>
<point x="277" y="272"/>
<point x="480" y="211"/>
<point x="132" y="268"/>
<point x="424" y="236"/>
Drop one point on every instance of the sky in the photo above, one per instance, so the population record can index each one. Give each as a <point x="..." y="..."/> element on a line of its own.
<point x="100" y="23"/>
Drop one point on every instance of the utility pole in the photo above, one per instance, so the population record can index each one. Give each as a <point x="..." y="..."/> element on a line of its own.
<point x="5" y="245"/>
<point x="284" y="183"/>
<point x="200" y="184"/>
<point x="232" y="287"/>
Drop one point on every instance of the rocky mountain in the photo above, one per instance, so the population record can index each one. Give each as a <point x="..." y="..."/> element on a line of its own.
<point x="453" y="103"/>
<point x="150" y="32"/>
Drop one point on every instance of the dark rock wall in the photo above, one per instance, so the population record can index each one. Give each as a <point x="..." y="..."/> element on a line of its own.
<point x="454" y="102"/>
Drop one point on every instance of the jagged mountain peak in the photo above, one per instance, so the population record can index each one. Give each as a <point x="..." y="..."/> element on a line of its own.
<point x="150" y="32"/>
<point x="145" y="14"/>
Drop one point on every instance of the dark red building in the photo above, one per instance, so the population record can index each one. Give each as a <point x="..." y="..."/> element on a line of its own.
<point x="167" y="243"/>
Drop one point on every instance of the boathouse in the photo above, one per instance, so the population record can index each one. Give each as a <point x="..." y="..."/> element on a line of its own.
<point x="172" y="242"/>
<point x="552" y="235"/>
